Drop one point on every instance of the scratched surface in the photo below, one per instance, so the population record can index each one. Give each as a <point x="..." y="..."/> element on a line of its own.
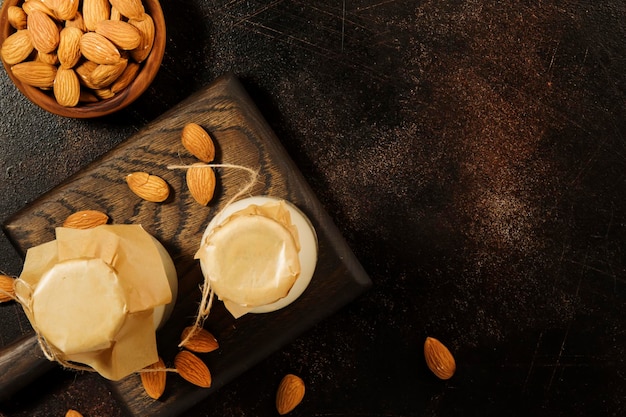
<point x="471" y="152"/>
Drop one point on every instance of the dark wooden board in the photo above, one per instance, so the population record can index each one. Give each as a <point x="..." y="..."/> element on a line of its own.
<point x="242" y="137"/>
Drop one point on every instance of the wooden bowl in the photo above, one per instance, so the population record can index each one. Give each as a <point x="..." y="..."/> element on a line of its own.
<point x="144" y="78"/>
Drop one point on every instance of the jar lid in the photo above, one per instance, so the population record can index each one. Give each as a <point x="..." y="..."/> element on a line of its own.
<point x="251" y="260"/>
<point x="79" y="324"/>
<point x="265" y="242"/>
<point x="93" y="296"/>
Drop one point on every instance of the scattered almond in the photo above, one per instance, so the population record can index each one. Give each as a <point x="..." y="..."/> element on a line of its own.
<point x="192" y="369"/>
<point x="7" y="292"/>
<point x="198" y="142"/>
<point x="73" y="413"/>
<point x="202" y="341"/>
<point x="153" y="379"/>
<point x="290" y="393"/>
<point x="201" y="182"/>
<point x="85" y="219"/>
<point x="149" y="187"/>
<point x="439" y="359"/>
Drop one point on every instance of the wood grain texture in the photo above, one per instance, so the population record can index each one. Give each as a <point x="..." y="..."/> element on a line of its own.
<point x="242" y="137"/>
<point x="20" y="364"/>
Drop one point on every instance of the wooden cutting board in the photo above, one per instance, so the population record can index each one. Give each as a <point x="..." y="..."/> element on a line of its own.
<point x="242" y="137"/>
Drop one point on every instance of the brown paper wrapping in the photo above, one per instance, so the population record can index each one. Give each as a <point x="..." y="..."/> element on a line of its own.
<point x="277" y="274"/>
<point x="91" y="295"/>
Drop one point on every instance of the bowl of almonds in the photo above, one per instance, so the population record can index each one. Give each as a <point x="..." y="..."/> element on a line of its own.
<point x="82" y="58"/>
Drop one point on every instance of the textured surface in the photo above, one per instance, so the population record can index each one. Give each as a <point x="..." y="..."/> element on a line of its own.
<point x="242" y="139"/>
<point x="472" y="154"/>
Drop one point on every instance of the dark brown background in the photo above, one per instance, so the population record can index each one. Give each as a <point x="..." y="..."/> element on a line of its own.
<point x="472" y="154"/>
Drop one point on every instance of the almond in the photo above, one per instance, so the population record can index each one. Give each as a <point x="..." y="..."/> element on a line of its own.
<point x="115" y="14"/>
<point x="149" y="187"/>
<point x="126" y="78"/>
<point x="103" y="93"/>
<point x="7" y="292"/>
<point x="439" y="359"/>
<point x="123" y="35"/>
<point x="66" y="87"/>
<point x="95" y="11"/>
<point x="85" y="219"/>
<point x="84" y="70"/>
<point x="49" y="58"/>
<point x="153" y="379"/>
<point x="43" y="31"/>
<point x="35" y="73"/>
<point x="290" y="393"/>
<point x="30" y="6"/>
<point x="198" y="142"/>
<point x="201" y="182"/>
<point x="145" y="25"/>
<point x="201" y="341"/>
<point x="86" y="67"/>
<point x="17" y="17"/>
<point x="69" y="46"/>
<point x="77" y="22"/>
<point x="65" y="9"/>
<point x="132" y="9"/>
<point x="99" y="49"/>
<point x="73" y="413"/>
<point x="17" y="47"/>
<point x="192" y="369"/>
<point x="104" y="75"/>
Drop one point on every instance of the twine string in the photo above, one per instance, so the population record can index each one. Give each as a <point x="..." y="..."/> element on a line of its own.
<point x="8" y="295"/>
<point x="147" y="370"/>
<point x="24" y="298"/>
<point x="208" y="294"/>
